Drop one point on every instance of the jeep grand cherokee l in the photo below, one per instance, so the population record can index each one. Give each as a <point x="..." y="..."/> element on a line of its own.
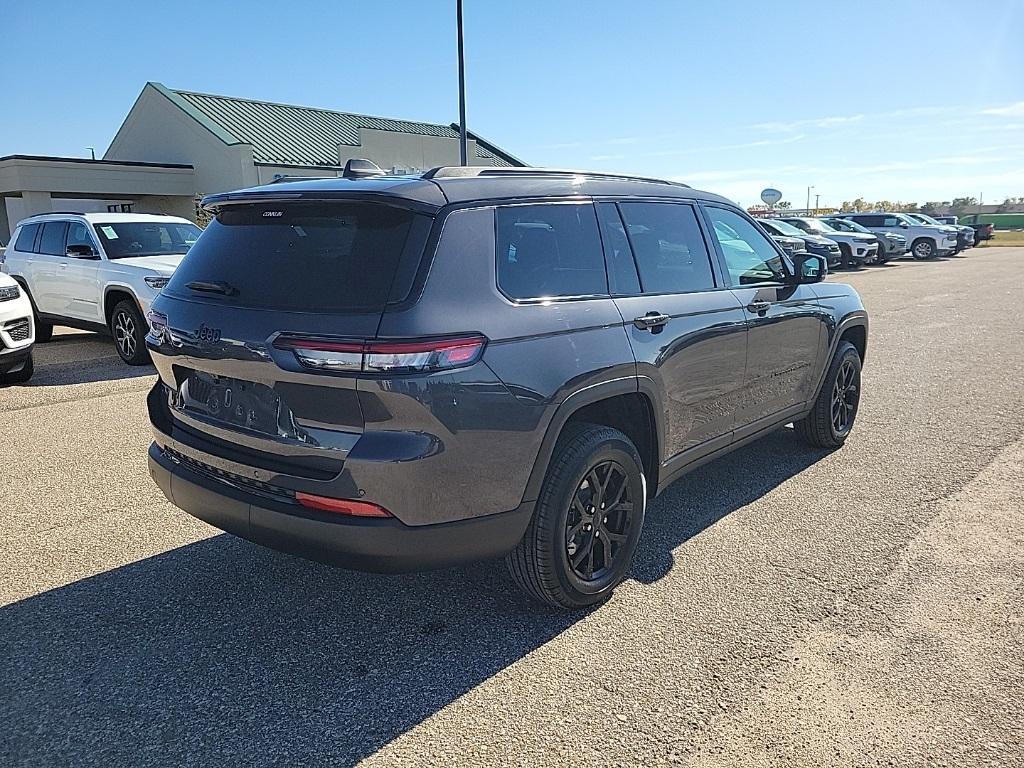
<point x="400" y="373"/>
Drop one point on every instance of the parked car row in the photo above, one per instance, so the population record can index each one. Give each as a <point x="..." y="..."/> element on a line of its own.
<point x="851" y="240"/>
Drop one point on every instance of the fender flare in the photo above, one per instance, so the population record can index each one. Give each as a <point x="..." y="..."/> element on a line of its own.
<point x="857" y="318"/>
<point x="121" y="288"/>
<point x="592" y="393"/>
<point x="24" y="286"/>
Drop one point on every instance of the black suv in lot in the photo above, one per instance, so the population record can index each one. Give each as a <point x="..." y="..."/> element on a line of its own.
<point x="401" y="373"/>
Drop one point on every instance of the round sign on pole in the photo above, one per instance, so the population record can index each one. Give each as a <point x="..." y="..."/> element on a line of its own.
<point x="771" y="196"/>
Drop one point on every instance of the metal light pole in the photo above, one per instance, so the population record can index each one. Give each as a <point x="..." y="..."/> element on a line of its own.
<point x="92" y="152"/>
<point x="817" y="198"/>
<point x="463" y="150"/>
<point x="808" y="208"/>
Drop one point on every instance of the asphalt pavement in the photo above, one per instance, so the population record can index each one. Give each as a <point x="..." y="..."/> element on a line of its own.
<point x="787" y="606"/>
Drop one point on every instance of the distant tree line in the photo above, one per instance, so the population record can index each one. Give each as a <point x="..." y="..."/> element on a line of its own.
<point x="955" y="206"/>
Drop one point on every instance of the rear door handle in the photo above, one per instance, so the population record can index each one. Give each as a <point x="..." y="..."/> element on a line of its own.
<point x="757" y="306"/>
<point x="652" y="321"/>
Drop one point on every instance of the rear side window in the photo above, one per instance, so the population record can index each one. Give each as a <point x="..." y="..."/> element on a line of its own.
<point x="549" y="250"/>
<point x="27" y="238"/>
<point x="668" y="246"/>
<point x="340" y="257"/>
<point x="53" y="238"/>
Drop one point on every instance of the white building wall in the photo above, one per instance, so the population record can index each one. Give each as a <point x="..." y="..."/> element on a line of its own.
<point x="157" y="131"/>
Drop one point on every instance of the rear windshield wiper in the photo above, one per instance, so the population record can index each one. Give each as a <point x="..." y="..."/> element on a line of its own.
<point x="212" y="286"/>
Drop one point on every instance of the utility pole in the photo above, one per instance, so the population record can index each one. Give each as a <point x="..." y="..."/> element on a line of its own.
<point x="816" y="206"/>
<point x="463" y="144"/>
<point x="808" y="207"/>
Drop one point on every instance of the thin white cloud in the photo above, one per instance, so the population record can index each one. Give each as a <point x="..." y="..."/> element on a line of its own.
<point x="818" y="122"/>
<point x="1010" y="110"/>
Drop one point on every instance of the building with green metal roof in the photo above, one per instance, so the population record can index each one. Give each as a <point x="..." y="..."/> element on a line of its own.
<point x="175" y="146"/>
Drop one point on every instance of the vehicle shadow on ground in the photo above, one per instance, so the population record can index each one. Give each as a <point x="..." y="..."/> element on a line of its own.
<point x="221" y="651"/>
<point x="80" y="358"/>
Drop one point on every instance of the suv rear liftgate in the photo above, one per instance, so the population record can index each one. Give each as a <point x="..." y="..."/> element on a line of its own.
<point x="261" y="340"/>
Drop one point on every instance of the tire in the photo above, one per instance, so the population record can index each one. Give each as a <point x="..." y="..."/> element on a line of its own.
<point x="847" y="258"/>
<point x="23" y="375"/>
<point x="551" y="562"/>
<point x="828" y="426"/>
<point x="44" y="331"/>
<point x="923" y="249"/>
<point x="129" y="332"/>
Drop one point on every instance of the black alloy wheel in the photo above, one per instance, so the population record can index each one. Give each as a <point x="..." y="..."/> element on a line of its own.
<point x="598" y="522"/>
<point x="587" y="520"/>
<point x="845" y="396"/>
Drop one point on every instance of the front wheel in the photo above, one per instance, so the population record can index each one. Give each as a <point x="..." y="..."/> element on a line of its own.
<point x="831" y="419"/>
<point x="923" y="249"/>
<point x="587" y="522"/>
<point x="128" y="330"/>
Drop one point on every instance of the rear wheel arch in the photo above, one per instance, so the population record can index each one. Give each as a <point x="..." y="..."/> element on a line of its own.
<point x="619" y="405"/>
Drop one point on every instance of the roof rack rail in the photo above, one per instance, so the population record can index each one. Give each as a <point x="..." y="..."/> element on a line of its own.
<point x="463" y="171"/>
<point x="282" y="179"/>
<point x="58" y="213"/>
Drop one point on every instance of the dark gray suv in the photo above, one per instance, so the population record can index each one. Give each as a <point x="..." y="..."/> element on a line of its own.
<point x="402" y="373"/>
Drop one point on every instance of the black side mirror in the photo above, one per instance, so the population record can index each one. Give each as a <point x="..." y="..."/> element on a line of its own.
<point x="82" y="251"/>
<point x="809" y="268"/>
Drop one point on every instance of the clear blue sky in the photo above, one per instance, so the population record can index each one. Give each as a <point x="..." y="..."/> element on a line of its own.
<point x="897" y="100"/>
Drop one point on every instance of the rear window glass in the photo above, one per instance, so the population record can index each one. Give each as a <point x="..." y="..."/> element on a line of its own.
<point x="27" y="238"/>
<point x="125" y="239"/>
<point x="302" y="257"/>
<point x="549" y="250"/>
<point x="52" y="239"/>
<point x="668" y="246"/>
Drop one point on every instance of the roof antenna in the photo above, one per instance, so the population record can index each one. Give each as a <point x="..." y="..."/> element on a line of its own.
<point x="357" y="168"/>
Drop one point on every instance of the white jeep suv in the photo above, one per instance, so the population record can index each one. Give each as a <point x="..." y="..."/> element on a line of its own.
<point x="926" y="240"/>
<point x="97" y="271"/>
<point x="16" y="332"/>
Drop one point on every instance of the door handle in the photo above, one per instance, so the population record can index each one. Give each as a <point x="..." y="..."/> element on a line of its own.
<point x="652" y="321"/>
<point x="758" y="306"/>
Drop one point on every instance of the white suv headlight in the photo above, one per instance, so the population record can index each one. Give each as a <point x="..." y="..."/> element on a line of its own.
<point x="156" y="282"/>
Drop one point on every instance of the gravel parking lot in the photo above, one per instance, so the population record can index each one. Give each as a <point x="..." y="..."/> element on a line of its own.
<point x="787" y="607"/>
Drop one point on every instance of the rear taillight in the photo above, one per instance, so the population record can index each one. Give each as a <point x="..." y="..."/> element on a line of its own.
<point x="420" y="356"/>
<point x="341" y="506"/>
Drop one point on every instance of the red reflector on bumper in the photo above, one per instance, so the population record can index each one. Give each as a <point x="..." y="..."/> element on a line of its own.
<point x="341" y="506"/>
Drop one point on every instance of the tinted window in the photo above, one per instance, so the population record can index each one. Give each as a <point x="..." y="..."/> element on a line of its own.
<point x="749" y="254"/>
<point x="27" y="238"/>
<point x="668" y="247"/>
<point x="334" y="258"/>
<point x="52" y="239"/>
<point x="146" y="238"/>
<point x="622" y="277"/>
<point x="549" y="250"/>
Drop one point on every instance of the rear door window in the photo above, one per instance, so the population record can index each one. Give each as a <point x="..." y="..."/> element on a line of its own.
<point x="26" y="241"/>
<point x="668" y="246"/>
<point x="53" y="239"/>
<point x="331" y="257"/>
<point x="551" y="250"/>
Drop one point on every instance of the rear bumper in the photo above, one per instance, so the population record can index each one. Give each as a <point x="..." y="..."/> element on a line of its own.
<point x="382" y="546"/>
